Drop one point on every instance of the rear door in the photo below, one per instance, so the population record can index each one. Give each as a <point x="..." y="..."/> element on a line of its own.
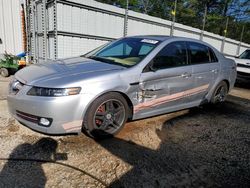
<point x="205" y="68"/>
<point x="165" y="82"/>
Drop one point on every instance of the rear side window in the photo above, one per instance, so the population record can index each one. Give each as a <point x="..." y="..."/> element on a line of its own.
<point x="198" y="53"/>
<point x="213" y="57"/>
<point x="172" y="55"/>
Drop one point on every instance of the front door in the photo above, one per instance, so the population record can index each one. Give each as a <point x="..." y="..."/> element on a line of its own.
<point x="166" y="83"/>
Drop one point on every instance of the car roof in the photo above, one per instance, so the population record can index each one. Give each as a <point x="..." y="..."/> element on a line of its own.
<point x="164" y="38"/>
<point x="152" y="37"/>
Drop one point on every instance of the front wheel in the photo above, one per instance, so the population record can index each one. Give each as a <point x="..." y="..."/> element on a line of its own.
<point x="106" y="116"/>
<point x="220" y="93"/>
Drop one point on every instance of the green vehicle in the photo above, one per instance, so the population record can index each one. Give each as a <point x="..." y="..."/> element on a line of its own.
<point x="10" y="64"/>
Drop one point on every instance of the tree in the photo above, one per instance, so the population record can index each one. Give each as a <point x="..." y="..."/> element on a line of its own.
<point x="191" y="12"/>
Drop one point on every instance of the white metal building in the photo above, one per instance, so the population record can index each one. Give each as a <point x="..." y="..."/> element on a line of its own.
<point x="64" y="28"/>
<point x="10" y="27"/>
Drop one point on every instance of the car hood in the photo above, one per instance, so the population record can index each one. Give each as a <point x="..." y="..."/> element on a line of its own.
<point x="63" y="68"/>
<point x="242" y="61"/>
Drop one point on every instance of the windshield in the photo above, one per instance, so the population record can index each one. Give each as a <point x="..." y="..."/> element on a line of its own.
<point x="245" y="55"/>
<point x="125" y="52"/>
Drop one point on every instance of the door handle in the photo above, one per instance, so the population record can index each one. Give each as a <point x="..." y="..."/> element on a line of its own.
<point x="215" y="71"/>
<point x="186" y="75"/>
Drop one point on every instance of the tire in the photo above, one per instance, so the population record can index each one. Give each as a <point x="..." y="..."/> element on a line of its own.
<point x="220" y="93"/>
<point x="106" y="116"/>
<point x="4" y="72"/>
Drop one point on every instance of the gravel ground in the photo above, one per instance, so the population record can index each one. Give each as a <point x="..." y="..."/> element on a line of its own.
<point x="200" y="147"/>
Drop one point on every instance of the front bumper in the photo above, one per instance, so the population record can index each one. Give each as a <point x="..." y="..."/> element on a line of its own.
<point x="245" y="76"/>
<point x="66" y="112"/>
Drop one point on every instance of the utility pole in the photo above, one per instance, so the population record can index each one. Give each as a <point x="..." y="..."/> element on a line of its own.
<point x="224" y="38"/>
<point x="125" y="29"/>
<point x="225" y="31"/>
<point x="204" y="23"/>
<point x="173" y="13"/>
<point x="241" y="38"/>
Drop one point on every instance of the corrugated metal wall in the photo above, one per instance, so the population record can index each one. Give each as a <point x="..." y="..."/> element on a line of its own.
<point x="10" y="27"/>
<point x="82" y="25"/>
<point x="72" y="27"/>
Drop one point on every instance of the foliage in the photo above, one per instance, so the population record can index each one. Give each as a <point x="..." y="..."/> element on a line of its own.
<point x="191" y="12"/>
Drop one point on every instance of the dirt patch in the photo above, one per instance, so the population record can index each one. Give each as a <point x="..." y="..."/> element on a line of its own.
<point x="13" y="127"/>
<point x="7" y="122"/>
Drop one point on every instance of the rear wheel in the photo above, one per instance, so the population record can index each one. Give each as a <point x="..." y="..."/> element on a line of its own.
<point x="106" y="116"/>
<point x="4" y="72"/>
<point x="220" y="93"/>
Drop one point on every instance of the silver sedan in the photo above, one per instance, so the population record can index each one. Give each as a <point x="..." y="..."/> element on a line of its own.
<point x="130" y="78"/>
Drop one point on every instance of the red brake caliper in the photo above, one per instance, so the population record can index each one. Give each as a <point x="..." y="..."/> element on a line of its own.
<point x="100" y="109"/>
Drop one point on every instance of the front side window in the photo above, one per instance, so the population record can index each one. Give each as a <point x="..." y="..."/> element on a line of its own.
<point x="125" y="52"/>
<point x="172" y="55"/>
<point x="199" y="53"/>
<point x="245" y="55"/>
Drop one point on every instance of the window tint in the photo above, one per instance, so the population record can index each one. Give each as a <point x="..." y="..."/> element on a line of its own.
<point x="119" y="50"/>
<point x="213" y="57"/>
<point x="199" y="53"/>
<point x="145" y="49"/>
<point x="173" y="55"/>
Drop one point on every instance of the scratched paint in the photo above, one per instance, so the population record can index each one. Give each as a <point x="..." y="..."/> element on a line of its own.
<point x="169" y="98"/>
<point x="72" y="126"/>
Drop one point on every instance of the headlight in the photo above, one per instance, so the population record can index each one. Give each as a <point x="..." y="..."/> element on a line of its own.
<point x="53" y="92"/>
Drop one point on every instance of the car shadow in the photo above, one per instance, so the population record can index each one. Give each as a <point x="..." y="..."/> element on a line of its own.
<point x="20" y="171"/>
<point x="196" y="161"/>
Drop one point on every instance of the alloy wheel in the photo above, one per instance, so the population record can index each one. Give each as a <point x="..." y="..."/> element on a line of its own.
<point x="221" y="94"/>
<point x="109" y="116"/>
